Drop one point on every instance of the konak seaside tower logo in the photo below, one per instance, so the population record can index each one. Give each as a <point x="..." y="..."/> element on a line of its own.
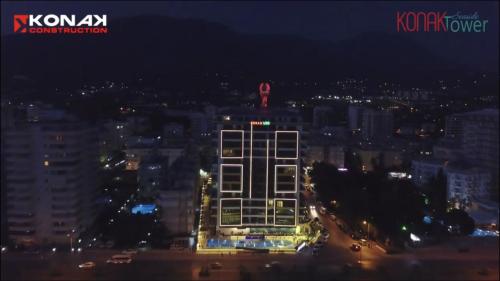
<point x="418" y="21"/>
<point x="60" y="24"/>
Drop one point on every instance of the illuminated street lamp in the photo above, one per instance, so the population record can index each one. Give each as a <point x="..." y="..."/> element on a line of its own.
<point x="368" y="231"/>
<point x="70" y="236"/>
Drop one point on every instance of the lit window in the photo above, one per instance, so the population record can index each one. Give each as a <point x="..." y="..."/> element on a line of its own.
<point x="46" y="163"/>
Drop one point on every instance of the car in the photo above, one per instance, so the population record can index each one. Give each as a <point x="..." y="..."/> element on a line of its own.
<point x="32" y="252"/>
<point x="204" y="271"/>
<point x="325" y="235"/>
<point x="143" y="246"/>
<point x="356" y="236"/>
<point x="275" y="265"/>
<point x="129" y="252"/>
<point x="324" y="239"/>
<point x="302" y="247"/>
<point x="86" y="265"/>
<point x="119" y="259"/>
<point x="216" y="265"/>
<point x="355" y="247"/>
<point x="363" y="242"/>
<point x="346" y="268"/>
<point x="322" y="210"/>
<point x="333" y="217"/>
<point x="109" y="244"/>
<point x="483" y="271"/>
<point x="319" y="244"/>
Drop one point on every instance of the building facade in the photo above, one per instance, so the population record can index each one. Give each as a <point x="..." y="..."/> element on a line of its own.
<point x="423" y="170"/>
<point x="476" y="136"/>
<point x="467" y="185"/>
<point x="177" y="196"/>
<point x="377" y="125"/>
<point x="51" y="179"/>
<point x="259" y="168"/>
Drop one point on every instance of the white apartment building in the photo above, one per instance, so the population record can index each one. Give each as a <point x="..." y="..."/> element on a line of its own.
<point x="51" y="178"/>
<point x="467" y="185"/>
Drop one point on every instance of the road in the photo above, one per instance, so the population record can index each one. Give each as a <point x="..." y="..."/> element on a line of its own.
<point x="170" y="265"/>
<point x="435" y="262"/>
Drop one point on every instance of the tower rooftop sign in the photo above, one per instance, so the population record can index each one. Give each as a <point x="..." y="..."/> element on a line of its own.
<point x="264" y="91"/>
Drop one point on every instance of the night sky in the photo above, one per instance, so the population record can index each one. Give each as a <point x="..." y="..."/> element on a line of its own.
<point x="316" y="20"/>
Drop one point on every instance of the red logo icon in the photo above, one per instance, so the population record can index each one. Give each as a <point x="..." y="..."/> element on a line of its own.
<point x="20" y="23"/>
<point x="265" y="90"/>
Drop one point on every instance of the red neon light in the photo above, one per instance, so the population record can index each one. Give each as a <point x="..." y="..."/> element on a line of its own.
<point x="265" y="90"/>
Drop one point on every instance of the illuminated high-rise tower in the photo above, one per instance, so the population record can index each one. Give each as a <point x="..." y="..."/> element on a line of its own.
<point x="258" y="169"/>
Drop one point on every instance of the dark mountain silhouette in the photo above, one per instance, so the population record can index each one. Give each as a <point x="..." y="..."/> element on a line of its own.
<point x="181" y="51"/>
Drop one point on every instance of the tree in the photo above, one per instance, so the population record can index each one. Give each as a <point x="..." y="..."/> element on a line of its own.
<point x="371" y="196"/>
<point x="460" y="218"/>
<point x="353" y="162"/>
<point x="437" y="191"/>
<point x="324" y="176"/>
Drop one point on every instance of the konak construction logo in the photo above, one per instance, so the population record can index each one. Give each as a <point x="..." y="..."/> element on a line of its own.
<point x="60" y="24"/>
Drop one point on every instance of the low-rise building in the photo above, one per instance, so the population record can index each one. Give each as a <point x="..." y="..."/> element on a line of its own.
<point x="466" y="185"/>
<point x="178" y="195"/>
<point x="425" y="169"/>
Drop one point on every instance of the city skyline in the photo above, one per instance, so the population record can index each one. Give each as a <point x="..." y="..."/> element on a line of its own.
<point x="249" y="140"/>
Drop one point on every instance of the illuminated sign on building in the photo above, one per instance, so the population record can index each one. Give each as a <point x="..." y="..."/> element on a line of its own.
<point x="260" y="123"/>
<point x="264" y="91"/>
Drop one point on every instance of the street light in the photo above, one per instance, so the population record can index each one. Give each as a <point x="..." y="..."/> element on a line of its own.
<point x="70" y="241"/>
<point x="368" y="231"/>
<point x="360" y="256"/>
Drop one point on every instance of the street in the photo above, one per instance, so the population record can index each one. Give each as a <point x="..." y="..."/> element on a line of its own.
<point x="438" y="262"/>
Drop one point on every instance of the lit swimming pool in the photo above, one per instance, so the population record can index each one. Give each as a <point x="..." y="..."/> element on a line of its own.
<point x="143" y="209"/>
<point x="483" y="233"/>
